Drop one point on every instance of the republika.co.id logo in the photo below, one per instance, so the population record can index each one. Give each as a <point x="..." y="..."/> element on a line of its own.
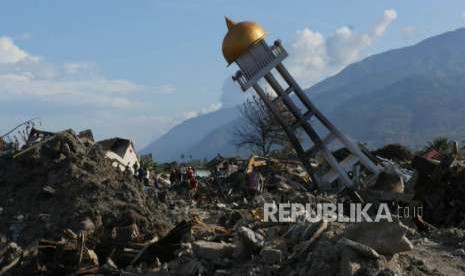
<point x="351" y="212"/>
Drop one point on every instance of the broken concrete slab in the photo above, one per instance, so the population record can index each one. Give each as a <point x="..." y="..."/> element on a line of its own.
<point x="361" y="249"/>
<point x="387" y="238"/>
<point x="212" y="250"/>
<point x="247" y="243"/>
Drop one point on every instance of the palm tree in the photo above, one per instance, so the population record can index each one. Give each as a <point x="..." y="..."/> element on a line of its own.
<point x="440" y="144"/>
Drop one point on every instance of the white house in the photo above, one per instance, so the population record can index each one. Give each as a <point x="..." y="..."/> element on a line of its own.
<point x="121" y="151"/>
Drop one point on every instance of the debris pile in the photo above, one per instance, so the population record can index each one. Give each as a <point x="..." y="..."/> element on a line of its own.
<point x="441" y="188"/>
<point x="65" y="186"/>
<point x="66" y="210"/>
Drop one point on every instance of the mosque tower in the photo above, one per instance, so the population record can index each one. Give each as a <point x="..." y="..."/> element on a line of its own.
<point x="245" y="44"/>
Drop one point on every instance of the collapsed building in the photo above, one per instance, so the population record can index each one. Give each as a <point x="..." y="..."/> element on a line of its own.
<point x="67" y="208"/>
<point x="121" y="152"/>
<point x="73" y="213"/>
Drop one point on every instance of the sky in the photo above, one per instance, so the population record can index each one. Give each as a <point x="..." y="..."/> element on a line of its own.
<point x="137" y="68"/>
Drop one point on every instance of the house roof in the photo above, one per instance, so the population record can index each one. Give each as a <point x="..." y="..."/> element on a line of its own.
<point x="116" y="145"/>
<point x="218" y="159"/>
<point x="37" y="135"/>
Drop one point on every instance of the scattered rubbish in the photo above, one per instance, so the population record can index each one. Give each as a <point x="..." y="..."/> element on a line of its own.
<point x="72" y="212"/>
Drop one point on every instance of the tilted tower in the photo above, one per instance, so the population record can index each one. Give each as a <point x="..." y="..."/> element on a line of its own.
<point x="245" y="44"/>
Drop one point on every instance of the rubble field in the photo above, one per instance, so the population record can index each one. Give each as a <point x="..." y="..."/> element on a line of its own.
<point x="65" y="210"/>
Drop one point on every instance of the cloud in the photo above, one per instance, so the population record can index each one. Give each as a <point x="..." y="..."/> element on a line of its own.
<point x="72" y="95"/>
<point x="10" y="53"/>
<point x="76" y="95"/>
<point x="192" y="114"/>
<point x="316" y="57"/>
<point x="382" y="25"/>
<point x="25" y="78"/>
<point x="95" y="93"/>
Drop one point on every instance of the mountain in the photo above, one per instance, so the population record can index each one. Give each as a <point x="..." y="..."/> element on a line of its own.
<point x="411" y="111"/>
<point x="219" y="140"/>
<point x="409" y="95"/>
<point x="438" y="56"/>
<point x="185" y="138"/>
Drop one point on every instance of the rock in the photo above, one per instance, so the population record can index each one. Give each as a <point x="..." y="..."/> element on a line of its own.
<point x="459" y="252"/>
<point x="361" y="249"/>
<point x="387" y="238"/>
<point x="271" y="256"/>
<point x="252" y="238"/>
<point x="247" y="243"/>
<point x="389" y="181"/>
<point x="212" y="250"/>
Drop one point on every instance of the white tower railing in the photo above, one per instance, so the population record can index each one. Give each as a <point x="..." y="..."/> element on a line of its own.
<point x="323" y="137"/>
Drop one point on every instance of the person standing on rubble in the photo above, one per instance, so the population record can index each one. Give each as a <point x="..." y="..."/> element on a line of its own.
<point x="135" y="168"/>
<point x="141" y="173"/>
<point x="192" y="182"/>
<point x="173" y="176"/>
<point x="190" y="173"/>
<point x="178" y="175"/>
<point x="183" y="174"/>
<point x="147" y="177"/>
<point x="252" y="182"/>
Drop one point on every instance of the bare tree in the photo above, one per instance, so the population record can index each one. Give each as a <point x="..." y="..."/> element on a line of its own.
<point x="258" y="130"/>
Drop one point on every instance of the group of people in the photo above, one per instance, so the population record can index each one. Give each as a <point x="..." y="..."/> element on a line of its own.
<point x="184" y="175"/>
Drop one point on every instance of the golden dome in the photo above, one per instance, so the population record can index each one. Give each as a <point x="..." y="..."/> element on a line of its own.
<point x="240" y="38"/>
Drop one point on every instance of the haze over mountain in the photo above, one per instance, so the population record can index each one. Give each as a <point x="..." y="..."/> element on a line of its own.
<point x="409" y="95"/>
<point x="188" y="137"/>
